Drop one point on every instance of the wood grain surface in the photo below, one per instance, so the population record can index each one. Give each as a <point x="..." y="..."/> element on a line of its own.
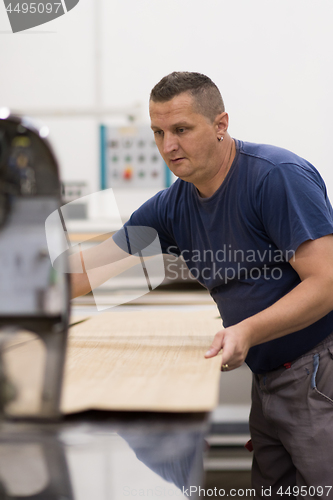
<point x="142" y="361"/>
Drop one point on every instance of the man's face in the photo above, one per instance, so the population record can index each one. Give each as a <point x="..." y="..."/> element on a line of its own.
<point x="186" y="140"/>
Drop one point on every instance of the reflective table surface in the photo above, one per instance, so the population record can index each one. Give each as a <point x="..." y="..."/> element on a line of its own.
<point x="103" y="456"/>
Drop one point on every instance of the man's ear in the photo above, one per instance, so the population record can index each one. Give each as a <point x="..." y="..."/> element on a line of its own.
<point x="221" y="123"/>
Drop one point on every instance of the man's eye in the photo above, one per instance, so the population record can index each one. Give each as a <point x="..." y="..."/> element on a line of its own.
<point x="158" y="132"/>
<point x="181" y="130"/>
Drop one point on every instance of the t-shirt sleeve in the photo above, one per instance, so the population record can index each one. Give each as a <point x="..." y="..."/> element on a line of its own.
<point x="149" y="219"/>
<point x="294" y="206"/>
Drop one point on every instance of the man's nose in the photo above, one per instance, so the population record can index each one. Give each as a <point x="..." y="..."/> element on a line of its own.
<point x="170" y="143"/>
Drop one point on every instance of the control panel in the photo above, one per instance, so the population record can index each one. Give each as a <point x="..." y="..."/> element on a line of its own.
<point x="130" y="159"/>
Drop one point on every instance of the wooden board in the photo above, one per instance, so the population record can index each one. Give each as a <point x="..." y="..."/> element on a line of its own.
<point x="142" y="361"/>
<point x="24" y="360"/>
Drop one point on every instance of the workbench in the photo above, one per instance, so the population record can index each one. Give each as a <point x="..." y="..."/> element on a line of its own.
<point x="103" y="456"/>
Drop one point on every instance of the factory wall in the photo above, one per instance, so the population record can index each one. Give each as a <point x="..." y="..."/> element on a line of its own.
<point x="272" y="60"/>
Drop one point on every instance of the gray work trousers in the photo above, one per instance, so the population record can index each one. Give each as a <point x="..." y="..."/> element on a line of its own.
<point x="291" y="424"/>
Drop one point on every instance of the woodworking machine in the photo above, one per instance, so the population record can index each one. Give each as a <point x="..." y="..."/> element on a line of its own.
<point x="43" y="455"/>
<point x="34" y="298"/>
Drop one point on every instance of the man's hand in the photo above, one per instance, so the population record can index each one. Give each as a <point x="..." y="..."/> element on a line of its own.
<point x="235" y="342"/>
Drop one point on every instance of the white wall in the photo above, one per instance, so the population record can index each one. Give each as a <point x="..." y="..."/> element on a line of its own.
<point x="272" y="60"/>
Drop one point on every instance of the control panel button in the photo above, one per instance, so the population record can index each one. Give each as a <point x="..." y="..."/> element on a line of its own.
<point x="128" y="173"/>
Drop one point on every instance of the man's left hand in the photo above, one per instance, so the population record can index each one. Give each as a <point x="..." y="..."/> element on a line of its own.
<point x="235" y="344"/>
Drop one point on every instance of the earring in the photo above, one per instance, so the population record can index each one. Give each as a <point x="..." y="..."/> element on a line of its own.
<point x="220" y="139"/>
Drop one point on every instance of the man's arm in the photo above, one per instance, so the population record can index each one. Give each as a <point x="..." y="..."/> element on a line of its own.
<point x="92" y="267"/>
<point x="80" y="284"/>
<point x="305" y="304"/>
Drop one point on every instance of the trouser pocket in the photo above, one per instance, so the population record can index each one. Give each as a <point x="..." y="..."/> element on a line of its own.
<point x="322" y="376"/>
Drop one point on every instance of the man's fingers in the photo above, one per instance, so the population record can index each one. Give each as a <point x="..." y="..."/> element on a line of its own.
<point x="227" y="358"/>
<point x="216" y="346"/>
<point x="212" y="351"/>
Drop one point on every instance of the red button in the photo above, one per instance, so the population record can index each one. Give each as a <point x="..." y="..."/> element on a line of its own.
<point x="128" y="173"/>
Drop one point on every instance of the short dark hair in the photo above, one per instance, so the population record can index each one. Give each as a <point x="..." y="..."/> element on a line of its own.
<point x="206" y="95"/>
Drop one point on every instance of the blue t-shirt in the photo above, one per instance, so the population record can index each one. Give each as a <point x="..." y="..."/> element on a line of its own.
<point x="238" y="242"/>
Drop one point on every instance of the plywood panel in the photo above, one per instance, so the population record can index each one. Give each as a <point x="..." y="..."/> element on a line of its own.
<point x="24" y="360"/>
<point x="151" y="361"/>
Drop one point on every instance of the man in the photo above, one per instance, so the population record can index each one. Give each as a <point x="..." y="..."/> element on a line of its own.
<point x="257" y="224"/>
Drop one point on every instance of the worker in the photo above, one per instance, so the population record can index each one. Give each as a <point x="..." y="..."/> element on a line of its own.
<point x="256" y="223"/>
